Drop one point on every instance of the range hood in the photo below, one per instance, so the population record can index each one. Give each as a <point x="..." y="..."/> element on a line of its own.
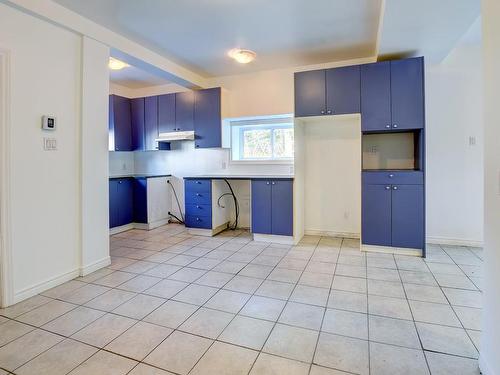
<point x="175" y="136"/>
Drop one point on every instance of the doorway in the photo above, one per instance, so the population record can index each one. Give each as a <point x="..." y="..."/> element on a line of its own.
<point x="6" y="295"/>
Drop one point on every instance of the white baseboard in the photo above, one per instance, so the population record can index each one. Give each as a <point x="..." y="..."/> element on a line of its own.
<point x="283" y="240"/>
<point x="391" y="250"/>
<point x="120" y="229"/>
<point x="207" y="232"/>
<point x="92" y="267"/>
<point x="484" y="367"/>
<point x="44" y="285"/>
<point x="150" y="226"/>
<point x="330" y="233"/>
<point x="454" y="241"/>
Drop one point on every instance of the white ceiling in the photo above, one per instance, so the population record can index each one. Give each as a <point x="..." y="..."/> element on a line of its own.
<point x="284" y="33"/>
<point x="429" y="28"/>
<point x="135" y="78"/>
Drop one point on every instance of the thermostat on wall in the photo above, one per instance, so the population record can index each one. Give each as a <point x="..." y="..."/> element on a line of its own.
<point x="48" y="123"/>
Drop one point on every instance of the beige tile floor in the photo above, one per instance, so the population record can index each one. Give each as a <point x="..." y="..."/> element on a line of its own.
<point x="172" y="303"/>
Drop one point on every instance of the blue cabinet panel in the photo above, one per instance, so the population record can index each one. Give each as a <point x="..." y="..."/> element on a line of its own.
<point x="376" y="96"/>
<point x="137" y="116"/>
<point x="166" y="113"/>
<point x="207" y="118"/>
<point x="198" y="185"/>
<point x="407" y="90"/>
<point x="125" y="201"/>
<point x="282" y="208"/>
<point x="261" y="207"/>
<point x="343" y="90"/>
<point x="393" y="177"/>
<point x="376" y="215"/>
<point x="408" y="216"/>
<point x="310" y="93"/>
<point x="184" y="111"/>
<point x="140" y="200"/>
<point x="202" y="222"/>
<point x="113" y="203"/>
<point x="150" y="123"/>
<point x="199" y="209"/>
<point x="120" y="125"/>
<point x="194" y="197"/>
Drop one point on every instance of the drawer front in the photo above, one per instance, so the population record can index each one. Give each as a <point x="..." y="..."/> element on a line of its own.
<point x="194" y="197"/>
<point x="393" y="177"/>
<point x="199" y="209"/>
<point x="204" y="222"/>
<point x="198" y="185"/>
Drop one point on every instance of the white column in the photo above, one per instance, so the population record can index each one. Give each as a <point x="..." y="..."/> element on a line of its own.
<point x="489" y="360"/>
<point x="94" y="157"/>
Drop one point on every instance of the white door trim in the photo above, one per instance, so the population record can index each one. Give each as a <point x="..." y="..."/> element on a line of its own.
<point x="6" y="287"/>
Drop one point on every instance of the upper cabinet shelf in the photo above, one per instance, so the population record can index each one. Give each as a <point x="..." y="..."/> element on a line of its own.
<point x="327" y="92"/>
<point x="388" y="94"/>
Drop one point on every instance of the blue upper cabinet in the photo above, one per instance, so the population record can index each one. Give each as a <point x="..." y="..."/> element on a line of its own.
<point x="261" y="207"/>
<point x="343" y="90"/>
<point x="310" y="93"/>
<point x="120" y="124"/>
<point x="392" y="95"/>
<point x="272" y="207"/>
<point x="408" y="216"/>
<point x="407" y="93"/>
<point x="137" y="115"/>
<point x="207" y="118"/>
<point x="376" y="96"/>
<point x="184" y="111"/>
<point x="376" y="215"/>
<point x="166" y="113"/>
<point x="150" y="123"/>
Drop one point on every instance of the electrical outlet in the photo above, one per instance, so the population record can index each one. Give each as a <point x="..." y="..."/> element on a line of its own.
<point x="49" y="144"/>
<point x="472" y="140"/>
<point x="124" y="167"/>
<point x="373" y="149"/>
<point x="224" y="165"/>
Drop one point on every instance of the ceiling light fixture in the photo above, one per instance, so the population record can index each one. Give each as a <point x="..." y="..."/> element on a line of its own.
<point x="115" y="64"/>
<point x="243" y="56"/>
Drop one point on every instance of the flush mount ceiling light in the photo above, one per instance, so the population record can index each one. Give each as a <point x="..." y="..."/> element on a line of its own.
<point x="243" y="56"/>
<point x="115" y="64"/>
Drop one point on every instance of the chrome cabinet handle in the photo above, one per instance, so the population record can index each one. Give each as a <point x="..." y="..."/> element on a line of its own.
<point x="387" y="188"/>
<point x="273" y="183"/>
<point x="198" y="194"/>
<point x="329" y="111"/>
<point x="198" y="207"/>
<point x="391" y="175"/>
<point x="394" y="188"/>
<point x="322" y="112"/>
<point x="197" y="219"/>
<point x="395" y="126"/>
<point x="267" y="183"/>
<point x="388" y="126"/>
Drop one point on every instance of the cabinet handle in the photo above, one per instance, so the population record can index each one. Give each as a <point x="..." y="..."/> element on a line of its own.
<point x="119" y="182"/>
<point x="387" y="188"/>
<point x="395" y="126"/>
<point x="198" y="207"/>
<point x="198" y="194"/>
<point x="394" y="188"/>
<point x="322" y="112"/>
<point x="197" y="146"/>
<point x="388" y="126"/>
<point x="197" y="219"/>
<point x="273" y="183"/>
<point x="329" y="111"/>
<point x="267" y="183"/>
<point x="198" y="182"/>
<point x="391" y="175"/>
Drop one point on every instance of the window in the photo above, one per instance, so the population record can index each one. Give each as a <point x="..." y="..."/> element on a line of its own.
<point x="263" y="139"/>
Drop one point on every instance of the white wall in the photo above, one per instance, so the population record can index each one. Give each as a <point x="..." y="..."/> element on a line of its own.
<point x="454" y="168"/>
<point x="332" y="175"/>
<point x="122" y="163"/>
<point x="489" y="359"/>
<point x="45" y="79"/>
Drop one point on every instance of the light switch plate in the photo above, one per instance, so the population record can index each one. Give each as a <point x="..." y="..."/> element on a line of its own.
<point x="49" y="144"/>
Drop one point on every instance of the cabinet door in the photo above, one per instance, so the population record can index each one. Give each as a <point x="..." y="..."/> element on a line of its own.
<point x="261" y="207"/>
<point x="282" y="208"/>
<point x="140" y="200"/>
<point x="184" y="111"/>
<point x="310" y="93"/>
<point x="207" y="118"/>
<point x="407" y="90"/>
<point x="137" y="116"/>
<point x="125" y="201"/>
<point x="122" y="123"/>
<point x="113" y="203"/>
<point x="376" y="215"/>
<point x="343" y="92"/>
<point x="166" y="113"/>
<point x="408" y="216"/>
<point x="150" y="123"/>
<point x="376" y="96"/>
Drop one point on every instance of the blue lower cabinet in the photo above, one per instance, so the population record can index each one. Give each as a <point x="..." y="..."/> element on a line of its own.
<point x="408" y="216"/>
<point x="121" y="198"/>
<point x="198" y="203"/>
<point x="376" y="215"/>
<point x="140" y="200"/>
<point x="272" y="207"/>
<point x="202" y="222"/>
<point x="261" y="207"/>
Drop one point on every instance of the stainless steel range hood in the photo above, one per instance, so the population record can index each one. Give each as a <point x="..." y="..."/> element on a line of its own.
<point x="175" y="136"/>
